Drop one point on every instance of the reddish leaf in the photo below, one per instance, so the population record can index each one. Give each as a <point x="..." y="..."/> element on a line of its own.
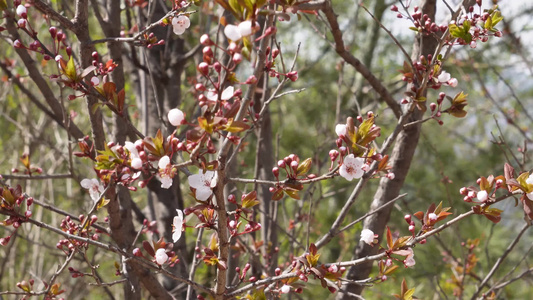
<point x="508" y="171"/>
<point x="148" y="247"/>
<point x="528" y="208"/>
<point x="390" y="242"/>
<point x="419" y="215"/>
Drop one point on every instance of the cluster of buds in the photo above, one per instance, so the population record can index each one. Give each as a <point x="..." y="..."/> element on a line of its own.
<point x="159" y="252"/>
<point x="292" y="167"/>
<point x="75" y="273"/>
<point x="422" y="23"/>
<point x="272" y="72"/>
<point x="29" y="169"/>
<point x="68" y="225"/>
<point x="11" y="200"/>
<point x="475" y="27"/>
<point x="150" y="40"/>
<point x="487" y="189"/>
<point x="294" y="170"/>
<point x="242" y="213"/>
<point x="124" y="164"/>
<point x="101" y="68"/>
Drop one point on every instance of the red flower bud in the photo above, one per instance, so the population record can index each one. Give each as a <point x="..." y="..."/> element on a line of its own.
<point x="203" y="68"/>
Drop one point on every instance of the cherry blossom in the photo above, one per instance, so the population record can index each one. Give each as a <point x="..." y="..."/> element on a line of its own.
<point x="161" y="256"/>
<point x="203" y="182"/>
<point x="367" y="236"/>
<point x="180" y="23"/>
<point x="176" y="117"/>
<point x="163" y="162"/>
<point x="177" y="225"/>
<point x="285" y="289"/>
<point x="94" y="186"/>
<point x="136" y="161"/>
<point x="212" y="94"/>
<point x="340" y="130"/>
<point x="236" y="33"/>
<point x="444" y="77"/>
<point x="432" y="217"/>
<point x="482" y="196"/>
<point x="410" y="259"/>
<point x="352" y="167"/>
<point x="21" y="11"/>
<point x="453" y="82"/>
<point x="164" y="172"/>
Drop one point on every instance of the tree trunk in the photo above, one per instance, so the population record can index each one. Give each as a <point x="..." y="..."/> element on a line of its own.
<point x="401" y="159"/>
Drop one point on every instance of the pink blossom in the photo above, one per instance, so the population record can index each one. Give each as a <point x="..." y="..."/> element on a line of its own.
<point x="180" y="23"/>
<point x="351" y="167"/>
<point x="410" y="259"/>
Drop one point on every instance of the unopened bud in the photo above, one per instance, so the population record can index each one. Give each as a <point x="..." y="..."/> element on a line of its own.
<point x="203" y="68"/>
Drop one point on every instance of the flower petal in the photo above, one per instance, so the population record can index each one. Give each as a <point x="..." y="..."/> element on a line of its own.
<point x="227" y="93"/>
<point x="340" y="129"/>
<point x="245" y="28"/>
<point x="203" y="193"/>
<point x="86" y="183"/>
<point x="176" y="117"/>
<point x="195" y="181"/>
<point x="232" y="32"/>
<point x="163" y="162"/>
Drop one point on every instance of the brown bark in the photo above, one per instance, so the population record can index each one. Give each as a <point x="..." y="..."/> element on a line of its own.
<point x="165" y="66"/>
<point x="401" y="159"/>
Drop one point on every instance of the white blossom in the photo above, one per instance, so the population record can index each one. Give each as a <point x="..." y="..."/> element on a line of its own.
<point x="236" y="33"/>
<point x="166" y="181"/>
<point x="245" y="28"/>
<point x="444" y="77"/>
<point x="367" y="236"/>
<point x="180" y="23"/>
<point x="21" y="9"/>
<point x="94" y="186"/>
<point x="227" y="93"/>
<point x="161" y="256"/>
<point x="482" y="196"/>
<point x="176" y="117"/>
<point x="340" y="129"/>
<point x="432" y="216"/>
<point x="177" y="225"/>
<point x="136" y="161"/>
<point x="529" y="180"/>
<point x="203" y="182"/>
<point x="352" y="167"/>
<point x="163" y="162"/>
<point x="285" y="289"/>
<point x="453" y="82"/>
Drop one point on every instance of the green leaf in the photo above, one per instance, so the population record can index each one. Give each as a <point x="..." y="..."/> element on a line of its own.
<point x="3" y="4"/>
<point x="292" y="193"/>
<point x="70" y="70"/>
<point x="235" y="126"/>
<point x="304" y="167"/>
